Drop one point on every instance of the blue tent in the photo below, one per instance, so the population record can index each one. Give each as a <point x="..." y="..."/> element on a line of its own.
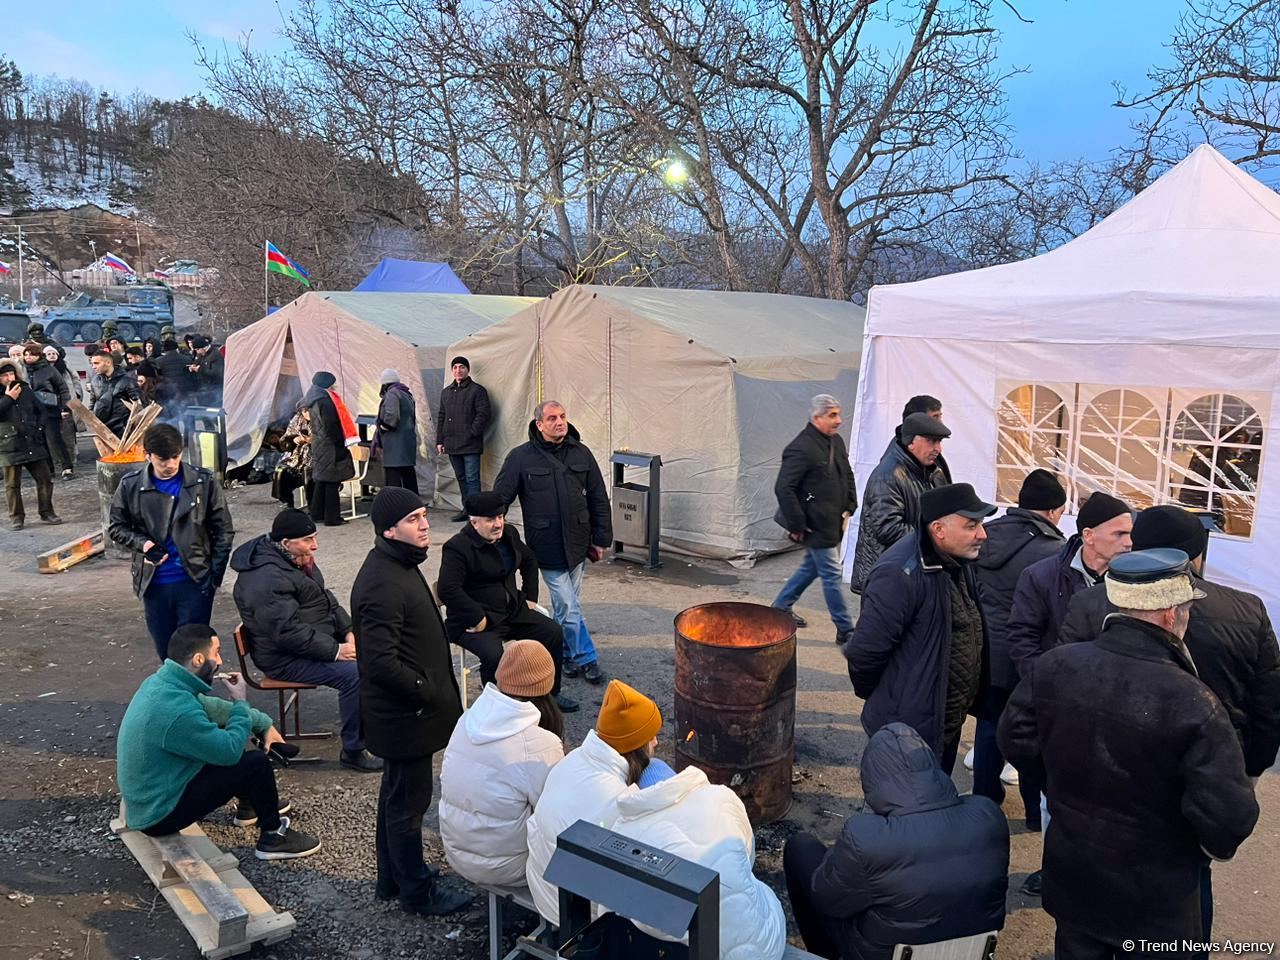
<point x="411" y="276"/>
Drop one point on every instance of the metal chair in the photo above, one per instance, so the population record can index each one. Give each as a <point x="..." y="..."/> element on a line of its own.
<point x="267" y="684"/>
<point x="981" y="946"/>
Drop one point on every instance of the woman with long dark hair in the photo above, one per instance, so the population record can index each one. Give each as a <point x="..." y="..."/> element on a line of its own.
<point x="495" y="767"/>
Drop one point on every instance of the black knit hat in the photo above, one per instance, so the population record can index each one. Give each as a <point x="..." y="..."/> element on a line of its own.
<point x="324" y="379"/>
<point x="1041" y="491"/>
<point x="292" y="525"/>
<point x="953" y="498"/>
<point x="199" y="343"/>
<point x="390" y="506"/>
<point x="486" y="503"/>
<point x="460" y="360"/>
<point x="1169" y="526"/>
<point x="147" y="369"/>
<point x="1100" y="508"/>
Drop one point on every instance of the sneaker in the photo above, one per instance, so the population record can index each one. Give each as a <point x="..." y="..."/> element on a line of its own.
<point x="1009" y="775"/>
<point x="968" y="759"/>
<point x="1031" y="886"/>
<point x="68" y="474"/>
<point x="361" y="760"/>
<point x="799" y="620"/>
<point x="566" y="704"/>
<point x="459" y="517"/>
<point x="246" y="816"/>
<point x="18" y="524"/>
<point x="570" y="670"/>
<point x="439" y="901"/>
<point x="592" y="673"/>
<point x="285" y="844"/>
<point x="52" y="519"/>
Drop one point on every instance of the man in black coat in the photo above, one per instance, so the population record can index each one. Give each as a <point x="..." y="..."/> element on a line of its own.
<point x="207" y="370"/>
<point x="916" y="653"/>
<point x="297" y="629"/>
<point x="1025" y="534"/>
<point x="891" y="500"/>
<point x="173" y="366"/>
<point x="331" y="463"/>
<point x="408" y="695"/>
<point x="1146" y="780"/>
<point x="395" y="441"/>
<point x="477" y="586"/>
<point x="54" y="394"/>
<point x="920" y="864"/>
<point x="22" y="445"/>
<point x="816" y="496"/>
<point x="567" y="521"/>
<point x="461" y="421"/>
<point x="111" y="388"/>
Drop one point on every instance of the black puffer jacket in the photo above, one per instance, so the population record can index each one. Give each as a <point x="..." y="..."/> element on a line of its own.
<point x="923" y="864"/>
<point x="110" y="395"/>
<point x="1144" y="776"/>
<point x="1014" y="542"/>
<point x="815" y="487"/>
<point x="45" y="379"/>
<point x="22" y="423"/>
<point x="562" y="496"/>
<point x="1234" y="649"/>
<point x="890" y="507"/>
<point x="474" y="583"/>
<point x="288" y="612"/>
<point x="330" y="459"/>
<point x="900" y="651"/>
<point x="463" y="417"/>
<point x="409" y="698"/>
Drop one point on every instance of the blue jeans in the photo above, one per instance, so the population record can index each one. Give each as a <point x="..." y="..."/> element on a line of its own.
<point x="169" y="606"/>
<point x="821" y="562"/>
<point x="565" y="587"/>
<point x="466" y="468"/>
<point x="343" y="676"/>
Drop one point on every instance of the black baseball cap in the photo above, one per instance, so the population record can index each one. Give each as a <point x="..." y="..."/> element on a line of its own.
<point x="953" y="498"/>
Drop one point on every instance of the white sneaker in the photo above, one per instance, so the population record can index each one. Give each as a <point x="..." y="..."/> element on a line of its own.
<point x="968" y="759"/>
<point x="1009" y="775"/>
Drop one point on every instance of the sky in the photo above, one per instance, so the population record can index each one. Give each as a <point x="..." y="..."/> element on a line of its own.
<point x="1061" y="108"/>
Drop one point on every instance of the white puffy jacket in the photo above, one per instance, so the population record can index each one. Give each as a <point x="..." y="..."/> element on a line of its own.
<point x="584" y="786"/>
<point x="690" y="817"/>
<point x="493" y="773"/>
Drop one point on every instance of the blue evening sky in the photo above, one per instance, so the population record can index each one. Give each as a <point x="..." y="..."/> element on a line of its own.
<point x="1061" y="108"/>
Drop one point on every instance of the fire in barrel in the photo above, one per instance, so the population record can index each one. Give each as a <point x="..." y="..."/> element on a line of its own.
<point x="736" y="701"/>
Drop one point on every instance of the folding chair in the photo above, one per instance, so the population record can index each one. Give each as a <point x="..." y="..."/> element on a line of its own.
<point x="244" y="651"/>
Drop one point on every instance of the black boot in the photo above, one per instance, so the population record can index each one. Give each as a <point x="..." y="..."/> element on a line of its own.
<point x="439" y="901"/>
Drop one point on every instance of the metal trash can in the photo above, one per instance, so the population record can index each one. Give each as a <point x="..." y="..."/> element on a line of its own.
<point x="206" y="431"/>
<point x="637" y="508"/>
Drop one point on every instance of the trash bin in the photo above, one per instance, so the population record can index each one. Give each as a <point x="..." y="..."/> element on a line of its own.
<point x="637" y="508"/>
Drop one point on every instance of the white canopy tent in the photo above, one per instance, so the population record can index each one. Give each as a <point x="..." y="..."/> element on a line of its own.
<point x="1141" y="358"/>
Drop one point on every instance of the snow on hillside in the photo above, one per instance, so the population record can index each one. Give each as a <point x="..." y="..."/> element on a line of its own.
<point x="64" y="189"/>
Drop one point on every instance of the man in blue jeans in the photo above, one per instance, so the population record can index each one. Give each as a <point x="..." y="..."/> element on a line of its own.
<point x="567" y="521"/>
<point x="816" y="496"/>
<point x="461" y="421"/>
<point x="174" y="518"/>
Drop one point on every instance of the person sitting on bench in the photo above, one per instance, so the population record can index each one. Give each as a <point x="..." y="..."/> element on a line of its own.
<point x="920" y="865"/>
<point x="478" y="586"/>
<point x="495" y="766"/>
<point x="298" y="629"/>
<point x="181" y="754"/>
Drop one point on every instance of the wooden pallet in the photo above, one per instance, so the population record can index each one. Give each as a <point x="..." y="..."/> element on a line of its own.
<point x="71" y="553"/>
<point x="221" y="910"/>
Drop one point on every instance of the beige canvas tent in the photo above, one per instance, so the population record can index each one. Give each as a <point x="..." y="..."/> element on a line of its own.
<point x="355" y="336"/>
<point x="716" y="383"/>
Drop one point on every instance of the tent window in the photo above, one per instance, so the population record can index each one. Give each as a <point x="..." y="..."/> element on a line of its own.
<point x="1215" y="451"/>
<point x="1034" y="431"/>
<point x="1120" y="441"/>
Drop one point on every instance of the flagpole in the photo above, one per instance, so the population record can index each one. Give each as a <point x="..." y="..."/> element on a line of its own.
<point x="21" y="294"/>
<point x="264" y="278"/>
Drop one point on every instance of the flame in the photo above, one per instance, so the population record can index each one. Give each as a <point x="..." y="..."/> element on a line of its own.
<point x="132" y="455"/>
<point x="692" y="734"/>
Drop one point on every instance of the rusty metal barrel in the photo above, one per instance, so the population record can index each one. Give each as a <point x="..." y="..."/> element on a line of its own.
<point x="736" y="701"/>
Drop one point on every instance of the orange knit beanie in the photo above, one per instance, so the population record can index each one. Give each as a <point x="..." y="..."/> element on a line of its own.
<point x="526" y="669"/>
<point x="628" y="719"/>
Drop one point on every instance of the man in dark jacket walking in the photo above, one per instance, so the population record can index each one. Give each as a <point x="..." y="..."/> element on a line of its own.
<point x="916" y="653"/>
<point x="478" y="588"/>
<point x="207" y="369"/>
<point x="54" y="395"/>
<point x="920" y="865"/>
<point x="408" y="694"/>
<point x="112" y="387"/>
<point x="1146" y="781"/>
<point x="22" y="445"/>
<point x="173" y="516"/>
<point x="395" y="441"/>
<point x="297" y="628"/>
<point x="891" y="500"/>
<point x="460" y="425"/>
<point x="1025" y="534"/>
<point x="567" y="521"/>
<point x="331" y="463"/>
<point x="816" y="496"/>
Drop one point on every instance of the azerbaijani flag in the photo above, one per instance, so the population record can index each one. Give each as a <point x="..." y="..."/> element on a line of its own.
<point x="277" y="262"/>
<point x="111" y="261"/>
<point x="4" y="267"/>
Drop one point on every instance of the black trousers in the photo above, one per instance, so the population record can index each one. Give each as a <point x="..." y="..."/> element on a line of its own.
<point x="403" y="799"/>
<point x="39" y="470"/>
<point x="326" y="503"/>
<point x="251" y="780"/>
<point x="1076" y="943"/>
<point x="527" y="624"/>
<point x="800" y="859"/>
<point x="406" y="477"/>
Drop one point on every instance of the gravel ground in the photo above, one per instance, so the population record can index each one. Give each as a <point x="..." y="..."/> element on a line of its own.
<point x="73" y="649"/>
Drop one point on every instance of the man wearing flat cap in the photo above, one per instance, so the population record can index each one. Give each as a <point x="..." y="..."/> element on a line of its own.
<point x="891" y="501"/>
<point x="296" y="627"/>
<point x="207" y="369"/>
<point x="1146" y="779"/>
<point x="915" y="654"/>
<point x="477" y="586"/>
<point x="461" y="421"/>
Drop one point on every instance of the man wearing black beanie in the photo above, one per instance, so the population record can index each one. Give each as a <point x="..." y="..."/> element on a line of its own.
<point x="409" y="696"/>
<point x="296" y="627"/>
<point x="461" y="421"/>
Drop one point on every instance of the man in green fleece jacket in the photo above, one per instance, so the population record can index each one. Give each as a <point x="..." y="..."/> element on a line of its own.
<point x="181" y="753"/>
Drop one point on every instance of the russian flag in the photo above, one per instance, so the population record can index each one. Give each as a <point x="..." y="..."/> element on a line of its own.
<point x="160" y="274"/>
<point x="111" y="261"/>
<point x="4" y="267"/>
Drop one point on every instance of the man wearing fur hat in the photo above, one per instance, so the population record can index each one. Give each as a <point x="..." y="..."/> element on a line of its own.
<point x="460" y="425"/>
<point x="22" y="444"/>
<point x="395" y="441"/>
<point x="1147" y="780"/>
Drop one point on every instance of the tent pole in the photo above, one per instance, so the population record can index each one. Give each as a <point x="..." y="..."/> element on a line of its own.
<point x="264" y="278"/>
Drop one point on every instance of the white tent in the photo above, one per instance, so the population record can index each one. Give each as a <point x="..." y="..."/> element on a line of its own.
<point x="715" y="383"/>
<point x="1141" y="358"/>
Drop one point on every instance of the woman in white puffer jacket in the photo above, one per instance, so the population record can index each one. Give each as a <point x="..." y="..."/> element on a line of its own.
<point x="496" y="765"/>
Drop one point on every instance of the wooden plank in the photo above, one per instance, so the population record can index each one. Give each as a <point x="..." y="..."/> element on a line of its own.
<point x="138" y="425"/>
<point x="70" y="553"/>
<point x="95" y="426"/>
<point x="225" y="910"/>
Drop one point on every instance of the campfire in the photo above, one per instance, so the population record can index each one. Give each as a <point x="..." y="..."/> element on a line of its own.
<point x="122" y="449"/>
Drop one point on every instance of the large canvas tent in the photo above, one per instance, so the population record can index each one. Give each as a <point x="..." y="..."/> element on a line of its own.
<point x="355" y="336"/>
<point x="715" y="383"/>
<point x="1142" y="358"/>
<point x="411" y="276"/>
